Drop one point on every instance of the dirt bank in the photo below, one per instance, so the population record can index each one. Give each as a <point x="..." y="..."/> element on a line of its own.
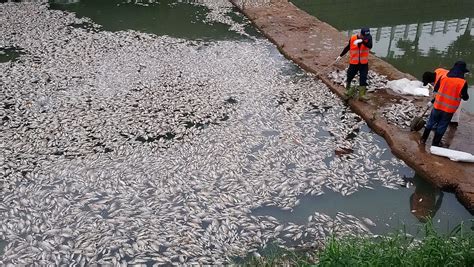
<point x="313" y="45"/>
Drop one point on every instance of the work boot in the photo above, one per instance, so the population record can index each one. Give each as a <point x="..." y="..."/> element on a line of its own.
<point x="362" y="93"/>
<point x="351" y="91"/>
<point x="437" y="140"/>
<point x="425" y="135"/>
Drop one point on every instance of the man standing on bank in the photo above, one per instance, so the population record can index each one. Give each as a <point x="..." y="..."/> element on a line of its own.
<point x="359" y="47"/>
<point x="449" y="90"/>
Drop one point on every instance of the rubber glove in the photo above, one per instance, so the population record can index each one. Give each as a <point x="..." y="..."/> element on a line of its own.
<point x="358" y="41"/>
<point x="429" y="104"/>
<point x="338" y="58"/>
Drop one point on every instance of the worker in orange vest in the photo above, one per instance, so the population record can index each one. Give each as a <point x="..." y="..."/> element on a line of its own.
<point x="359" y="47"/>
<point x="449" y="91"/>
<point x="434" y="77"/>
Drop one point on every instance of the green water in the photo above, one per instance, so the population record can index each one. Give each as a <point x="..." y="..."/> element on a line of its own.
<point x="162" y="17"/>
<point x="9" y="54"/>
<point x="386" y="207"/>
<point x="413" y="35"/>
<point x="390" y="210"/>
<point x="393" y="209"/>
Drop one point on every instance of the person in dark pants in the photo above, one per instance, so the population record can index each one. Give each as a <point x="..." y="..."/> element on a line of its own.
<point x="449" y="91"/>
<point x="358" y="47"/>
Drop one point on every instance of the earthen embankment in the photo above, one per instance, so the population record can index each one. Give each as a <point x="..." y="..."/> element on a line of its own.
<point x="314" y="45"/>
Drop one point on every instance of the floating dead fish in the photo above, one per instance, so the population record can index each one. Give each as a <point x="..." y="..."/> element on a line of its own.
<point x="129" y="148"/>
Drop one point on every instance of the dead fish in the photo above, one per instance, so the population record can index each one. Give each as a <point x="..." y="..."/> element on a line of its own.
<point x="165" y="165"/>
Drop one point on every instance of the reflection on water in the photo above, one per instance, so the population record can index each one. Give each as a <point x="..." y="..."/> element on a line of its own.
<point x="416" y="48"/>
<point x="406" y="207"/>
<point x="393" y="210"/>
<point x="9" y="54"/>
<point x="425" y="200"/>
<point x="175" y="18"/>
<point x="414" y="36"/>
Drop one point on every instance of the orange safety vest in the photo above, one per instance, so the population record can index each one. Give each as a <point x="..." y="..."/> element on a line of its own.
<point x="358" y="54"/>
<point x="448" y="97"/>
<point x="440" y="72"/>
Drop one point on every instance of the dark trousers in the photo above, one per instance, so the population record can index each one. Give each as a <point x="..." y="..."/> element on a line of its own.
<point x="362" y="69"/>
<point x="441" y="120"/>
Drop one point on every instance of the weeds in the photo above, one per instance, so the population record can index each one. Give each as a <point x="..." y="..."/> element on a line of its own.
<point x="397" y="249"/>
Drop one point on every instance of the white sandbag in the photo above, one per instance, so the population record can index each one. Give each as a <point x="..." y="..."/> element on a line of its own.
<point x="453" y="155"/>
<point x="407" y="87"/>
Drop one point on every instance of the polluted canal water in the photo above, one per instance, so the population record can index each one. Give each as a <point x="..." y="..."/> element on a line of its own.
<point x="133" y="144"/>
<point x="9" y="54"/>
<point x="413" y="35"/>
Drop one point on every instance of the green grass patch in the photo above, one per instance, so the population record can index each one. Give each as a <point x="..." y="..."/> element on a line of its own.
<point x="397" y="249"/>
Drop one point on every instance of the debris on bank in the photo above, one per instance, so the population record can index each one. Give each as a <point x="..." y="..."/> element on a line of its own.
<point x="375" y="80"/>
<point x="401" y="114"/>
<point x="406" y="87"/>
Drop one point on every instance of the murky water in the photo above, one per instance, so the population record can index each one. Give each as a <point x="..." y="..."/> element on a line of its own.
<point x="389" y="209"/>
<point x="271" y="134"/>
<point x="9" y="54"/>
<point x="164" y="17"/>
<point x="414" y="36"/>
<point x="185" y="20"/>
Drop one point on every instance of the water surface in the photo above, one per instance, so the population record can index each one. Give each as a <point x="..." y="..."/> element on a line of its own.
<point x="413" y="35"/>
<point x="389" y="209"/>
<point x="9" y="54"/>
<point x="183" y="19"/>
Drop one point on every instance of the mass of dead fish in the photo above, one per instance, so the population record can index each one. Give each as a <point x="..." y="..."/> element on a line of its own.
<point x="376" y="81"/>
<point x="129" y="148"/>
<point x="401" y="113"/>
<point x="251" y="3"/>
<point x="219" y="12"/>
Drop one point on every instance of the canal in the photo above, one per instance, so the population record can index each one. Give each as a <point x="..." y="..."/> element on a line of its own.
<point x="253" y="143"/>
<point x="414" y="36"/>
<point x="183" y="19"/>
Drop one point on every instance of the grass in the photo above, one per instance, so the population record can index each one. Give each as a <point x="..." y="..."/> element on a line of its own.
<point x="397" y="249"/>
